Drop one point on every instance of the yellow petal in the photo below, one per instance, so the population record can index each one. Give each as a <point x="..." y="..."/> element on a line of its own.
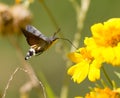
<point x="75" y="57"/>
<point x="94" y="73"/>
<point x="78" y="97"/>
<point x="79" y="71"/>
<point x="97" y="29"/>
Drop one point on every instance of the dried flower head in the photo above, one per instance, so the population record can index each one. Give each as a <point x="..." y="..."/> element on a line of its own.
<point x="13" y="18"/>
<point x="6" y="19"/>
<point x="21" y="16"/>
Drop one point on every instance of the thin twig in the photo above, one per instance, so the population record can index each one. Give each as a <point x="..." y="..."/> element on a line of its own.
<point x="9" y="81"/>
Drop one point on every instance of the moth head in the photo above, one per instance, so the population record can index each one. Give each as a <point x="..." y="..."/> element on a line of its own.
<point x="54" y="38"/>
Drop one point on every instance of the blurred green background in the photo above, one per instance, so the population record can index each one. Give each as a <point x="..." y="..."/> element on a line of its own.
<point x="51" y="63"/>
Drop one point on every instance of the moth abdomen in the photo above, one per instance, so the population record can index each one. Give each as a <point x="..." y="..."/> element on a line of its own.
<point x="30" y="53"/>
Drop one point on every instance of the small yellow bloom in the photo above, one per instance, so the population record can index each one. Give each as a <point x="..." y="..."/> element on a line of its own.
<point x="86" y="66"/>
<point x="102" y="93"/>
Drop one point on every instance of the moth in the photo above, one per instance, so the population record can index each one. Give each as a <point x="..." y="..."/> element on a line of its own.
<point x="37" y="41"/>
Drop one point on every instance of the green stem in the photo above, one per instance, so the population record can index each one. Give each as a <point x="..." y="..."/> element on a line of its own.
<point x="49" y="14"/>
<point x="107" y="77"/>
<point x="49" y="91"/>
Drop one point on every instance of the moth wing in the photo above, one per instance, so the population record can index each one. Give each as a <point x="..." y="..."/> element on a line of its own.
<point x="33" y="38"/>
<point x="35" y="32"/>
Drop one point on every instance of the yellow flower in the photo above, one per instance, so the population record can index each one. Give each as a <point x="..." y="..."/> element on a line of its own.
<point x="103" y="93"/>
<point x="105" y="43"/>
<point x="103" y="46"/>
<point x="85" y="66"/>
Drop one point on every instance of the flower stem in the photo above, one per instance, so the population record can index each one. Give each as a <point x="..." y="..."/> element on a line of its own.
<point x="107" y="77"/>
<point x="9" y="81"/>
<point x="52" y="18"/>
<point x="49" y="14"/>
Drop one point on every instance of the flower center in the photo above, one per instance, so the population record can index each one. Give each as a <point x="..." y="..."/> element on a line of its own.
<point x="114" y="41"/>
<point x="86" y="54"/>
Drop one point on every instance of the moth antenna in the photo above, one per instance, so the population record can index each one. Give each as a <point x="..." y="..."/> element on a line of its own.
<point x="69" y="42"/>
<point x="58" y="30"/>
